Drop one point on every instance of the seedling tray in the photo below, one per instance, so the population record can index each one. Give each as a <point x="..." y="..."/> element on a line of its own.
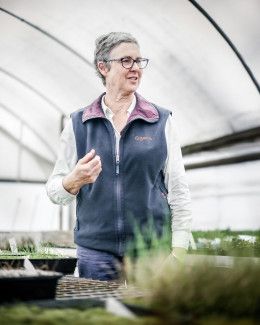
<point x="21" y="285"/>
<point x="65" y="265"/>
<point x="12" y="262"/>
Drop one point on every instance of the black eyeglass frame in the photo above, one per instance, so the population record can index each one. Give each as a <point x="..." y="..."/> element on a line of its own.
<point x="138" y="60"/>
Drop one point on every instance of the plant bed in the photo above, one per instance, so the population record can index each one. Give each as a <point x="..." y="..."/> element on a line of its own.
<point x="22" y="285"/>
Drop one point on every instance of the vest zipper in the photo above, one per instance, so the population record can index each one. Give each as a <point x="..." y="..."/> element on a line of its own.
<point x="119" y="220"/>
<point x="119" y="203"/>
<point x="117" y="163"/>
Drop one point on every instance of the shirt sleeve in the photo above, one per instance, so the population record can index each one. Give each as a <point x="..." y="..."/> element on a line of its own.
<point x="66" y="161"/>
<point x="178" y="191"/>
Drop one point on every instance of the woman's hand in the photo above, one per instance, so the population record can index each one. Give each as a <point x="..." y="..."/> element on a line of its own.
<point x="86" y="171"/>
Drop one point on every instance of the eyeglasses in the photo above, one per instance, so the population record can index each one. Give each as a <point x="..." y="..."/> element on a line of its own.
<point x="128" y="62"/>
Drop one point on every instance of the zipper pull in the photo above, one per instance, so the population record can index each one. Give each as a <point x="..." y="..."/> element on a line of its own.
<point x="117" y="164"/>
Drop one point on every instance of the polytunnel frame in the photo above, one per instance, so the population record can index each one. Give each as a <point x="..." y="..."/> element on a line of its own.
<point x="33" y="89"/>
<point x="42" y="96"/>
<point x="229" y="139"/>
<point x="37" y="92"/>
<point x="34" y="131"/>
<point x="228" y="40"/>
<point x="211" y="144"/>
<point x="21" y="145"/>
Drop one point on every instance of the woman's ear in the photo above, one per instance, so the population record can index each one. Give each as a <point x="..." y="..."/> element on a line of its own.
<point x="102" y="68"/>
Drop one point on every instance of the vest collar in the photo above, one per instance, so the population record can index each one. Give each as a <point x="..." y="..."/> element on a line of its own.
<point x="143" y="110"/>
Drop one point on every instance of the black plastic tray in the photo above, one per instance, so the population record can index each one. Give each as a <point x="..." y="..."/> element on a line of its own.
<point x="65" y="265"/>
<point x="24" y="288"/>
<point x="11" y="263"/>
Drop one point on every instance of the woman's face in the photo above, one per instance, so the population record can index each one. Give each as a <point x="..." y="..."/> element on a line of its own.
<point x="118" y="78"/>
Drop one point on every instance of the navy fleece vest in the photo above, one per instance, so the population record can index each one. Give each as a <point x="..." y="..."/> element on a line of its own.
<point x="129" y="193"/>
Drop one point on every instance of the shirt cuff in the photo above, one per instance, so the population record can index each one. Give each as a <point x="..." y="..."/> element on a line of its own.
<point x="64" y="193"/>
<point x="181" y="238"/>
<point x="57" y="192"/>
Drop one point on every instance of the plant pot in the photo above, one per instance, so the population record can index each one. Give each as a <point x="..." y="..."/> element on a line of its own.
<point x="21" y="285"/>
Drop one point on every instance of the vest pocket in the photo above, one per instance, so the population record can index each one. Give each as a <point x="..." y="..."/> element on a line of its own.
<point x="161" y="200"/>
<point x="162" y="189"/>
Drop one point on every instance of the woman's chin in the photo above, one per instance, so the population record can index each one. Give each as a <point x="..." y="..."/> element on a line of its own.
<point x="132" y="87"/>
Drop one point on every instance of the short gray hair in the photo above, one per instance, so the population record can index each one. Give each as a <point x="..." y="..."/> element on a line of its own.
<point x="105" y="44"/>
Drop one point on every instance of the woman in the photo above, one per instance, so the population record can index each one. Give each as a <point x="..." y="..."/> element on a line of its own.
<point x="121" y="159"/>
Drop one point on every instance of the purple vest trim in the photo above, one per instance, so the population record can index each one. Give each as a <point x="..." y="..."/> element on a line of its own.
<point x="143" y="110"/>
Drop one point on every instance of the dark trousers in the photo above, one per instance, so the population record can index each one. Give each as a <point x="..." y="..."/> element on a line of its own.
<point x="99" y="265"/>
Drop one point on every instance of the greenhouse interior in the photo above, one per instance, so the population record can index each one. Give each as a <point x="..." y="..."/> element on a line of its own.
<point x="204" y="67"/>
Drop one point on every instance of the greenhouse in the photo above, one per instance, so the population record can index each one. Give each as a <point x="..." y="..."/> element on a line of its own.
<point x="204" y="67"/>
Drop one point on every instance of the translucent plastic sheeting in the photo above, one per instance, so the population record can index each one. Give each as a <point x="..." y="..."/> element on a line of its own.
<point x="30" y="209"/>
<point x="191" y="71"/>
<point x="226" y="196"/>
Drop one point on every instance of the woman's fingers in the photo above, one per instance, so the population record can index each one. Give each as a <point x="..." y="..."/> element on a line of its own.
<point x="89" y="168"/>
<point x="88" y="157"/>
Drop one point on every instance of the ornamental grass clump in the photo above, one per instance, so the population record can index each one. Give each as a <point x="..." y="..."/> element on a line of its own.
<point x="203" y="289"/>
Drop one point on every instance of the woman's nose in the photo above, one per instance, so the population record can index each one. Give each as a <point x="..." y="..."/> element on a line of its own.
<point x="135" y="66"/>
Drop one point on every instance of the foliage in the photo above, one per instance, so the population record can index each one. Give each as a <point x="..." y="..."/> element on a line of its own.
<point x="22" y="314"/>
<point x="230" y="243"/>
<point x="217" y="233"/>
<point x="41" y="252"/>
<point x="179" y="292"/>
<point x="147" y="241"/>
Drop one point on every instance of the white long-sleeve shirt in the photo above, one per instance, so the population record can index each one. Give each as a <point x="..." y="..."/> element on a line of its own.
<point x="174" y="172"/>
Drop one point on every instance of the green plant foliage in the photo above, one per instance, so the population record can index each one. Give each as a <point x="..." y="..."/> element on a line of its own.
<point x="204" y="289"/>
<point x="211" y="234"/>
<point x="41" y="252"/>
<point x="42" y="316"/>
<point x="147" y="242"/>
<point x="230" y="244"/>
<point x="9" y="255"/>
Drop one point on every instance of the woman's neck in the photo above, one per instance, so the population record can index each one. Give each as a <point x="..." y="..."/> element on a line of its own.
<point x="118" y="102"/>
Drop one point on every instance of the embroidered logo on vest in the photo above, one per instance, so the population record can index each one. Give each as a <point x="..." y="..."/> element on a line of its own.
<point x="141" y="139"/>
